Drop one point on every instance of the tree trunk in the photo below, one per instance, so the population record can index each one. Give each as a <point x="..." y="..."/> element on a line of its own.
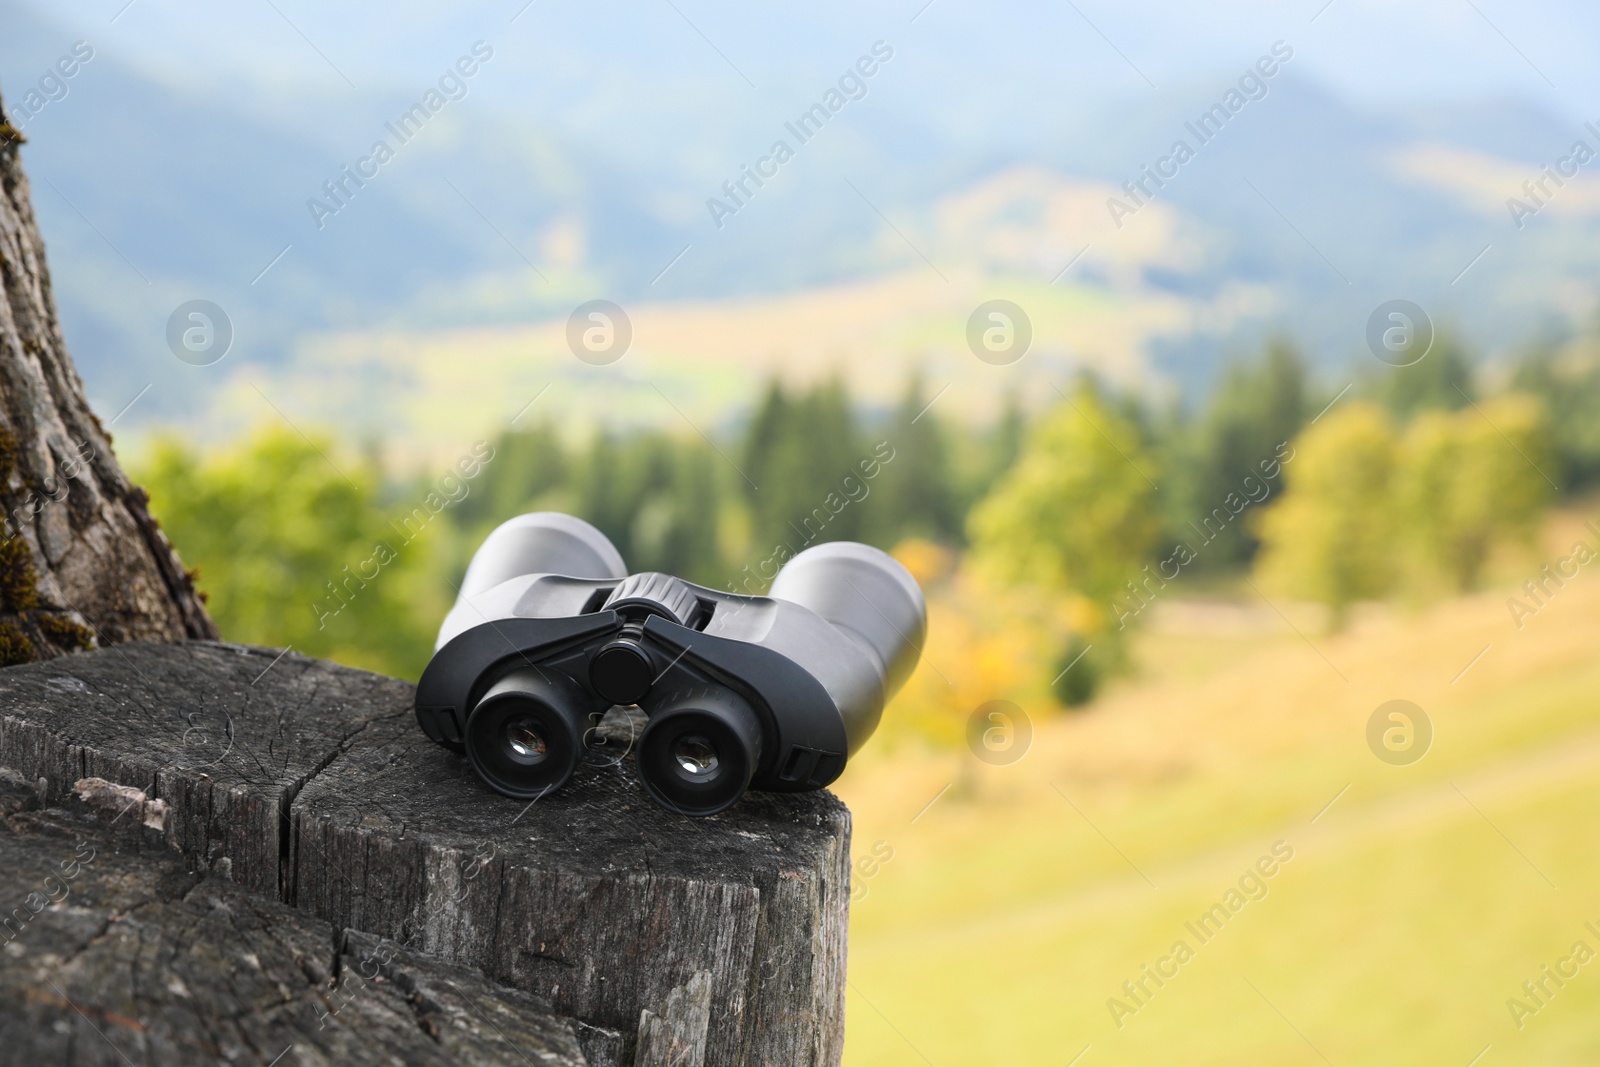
<point x="82" y="562"/>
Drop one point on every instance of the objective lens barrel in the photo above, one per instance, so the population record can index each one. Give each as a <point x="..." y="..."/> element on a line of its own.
<point x="541" y="542"/>
<point x="868" y="595"/>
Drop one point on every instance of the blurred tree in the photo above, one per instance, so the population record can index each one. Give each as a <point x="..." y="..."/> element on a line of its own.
<point x="985" y="643"/>
<point x="915" y="495"/>
<point x="528" y="465"/>
<point x="1005" y="440"/>
<point x="605" y="488"/>
<point x="1567" y="379"/>
<point x="1255" y="408"/>
<point x="1441" y="379"/>
<point x="1331" y="536"/>
<point x="675" y="526"/>
<point x="980" y="457"/>
<point x="1467" y="481"/>
<point x="1074" y="516"/>
<point x="290" y="552"/>
<point x="799" y="450"/>
<point x="1076" y="677"/>
<point x="771" y="416"/>
<point x="1075" y="511"/>
<point x="656" y="496"/>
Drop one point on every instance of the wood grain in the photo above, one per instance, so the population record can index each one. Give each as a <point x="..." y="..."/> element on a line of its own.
<point x="133" y="957"/>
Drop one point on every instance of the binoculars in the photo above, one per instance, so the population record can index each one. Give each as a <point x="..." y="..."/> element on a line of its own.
<point x="740" y="692"/>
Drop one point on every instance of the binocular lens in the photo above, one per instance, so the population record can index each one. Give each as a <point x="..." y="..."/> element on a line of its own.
<point x="699" y="751"/>
<point x="695" y="755"/>
<point x="526" y="735"/>
<point x="526" y="742"/>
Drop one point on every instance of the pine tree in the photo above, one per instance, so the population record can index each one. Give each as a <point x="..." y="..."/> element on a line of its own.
<point x="799" y="450"/>
<point x="528" y="464"/>
<point x="1441" y="379"/>
<point x="1255" y="409"/>
<point x="915" y="495"/>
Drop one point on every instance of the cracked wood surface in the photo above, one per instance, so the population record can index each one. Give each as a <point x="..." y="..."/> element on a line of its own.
<point x="722" y="938"/>
<point x="133" y="958"/>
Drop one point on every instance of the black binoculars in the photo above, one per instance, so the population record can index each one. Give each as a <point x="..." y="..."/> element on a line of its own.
<point x="740" y="692"/>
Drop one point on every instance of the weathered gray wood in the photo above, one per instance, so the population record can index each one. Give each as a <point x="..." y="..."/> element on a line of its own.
<point x="223" y="734"/>
<point x="112" y="953"/>
<point x="678" y="1033"/>
<point x="592" y="898"/>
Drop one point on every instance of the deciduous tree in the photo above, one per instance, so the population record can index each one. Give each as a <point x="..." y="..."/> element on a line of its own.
<point x="1472" y="479"/>
<point x="1331" y="537"/>
<point x="1075" y="513"/>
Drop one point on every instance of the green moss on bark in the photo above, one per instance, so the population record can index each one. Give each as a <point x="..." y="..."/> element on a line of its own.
<point x="9" y="453"/>
<point x="14" y="646"/>
<point x="67" y="635"/>
<point x="19" y="585"/>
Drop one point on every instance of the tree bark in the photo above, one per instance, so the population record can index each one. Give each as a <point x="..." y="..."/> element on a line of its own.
<point x="82" y="561"/>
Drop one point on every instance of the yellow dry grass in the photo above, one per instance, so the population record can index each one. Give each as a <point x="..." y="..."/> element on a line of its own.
<point x="1419" y="899"/>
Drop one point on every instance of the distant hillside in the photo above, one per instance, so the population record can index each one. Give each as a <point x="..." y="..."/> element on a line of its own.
<point x="867" y="251"/>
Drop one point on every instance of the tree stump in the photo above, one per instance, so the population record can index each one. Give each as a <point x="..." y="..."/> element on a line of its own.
<point x="663" y="940"/>
<point x="131" y="957"/>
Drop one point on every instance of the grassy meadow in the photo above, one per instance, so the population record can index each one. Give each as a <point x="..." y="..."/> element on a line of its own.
<point x="1019" y="898"/>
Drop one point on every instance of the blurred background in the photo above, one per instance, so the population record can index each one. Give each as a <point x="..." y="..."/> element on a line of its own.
<point x="1228" y="375"/>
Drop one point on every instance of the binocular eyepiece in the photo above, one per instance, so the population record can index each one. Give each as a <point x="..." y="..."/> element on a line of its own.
<point x="772" y="693"/>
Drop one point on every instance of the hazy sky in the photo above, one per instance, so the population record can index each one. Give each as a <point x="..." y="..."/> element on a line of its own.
<point x="1073" y="52"/>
